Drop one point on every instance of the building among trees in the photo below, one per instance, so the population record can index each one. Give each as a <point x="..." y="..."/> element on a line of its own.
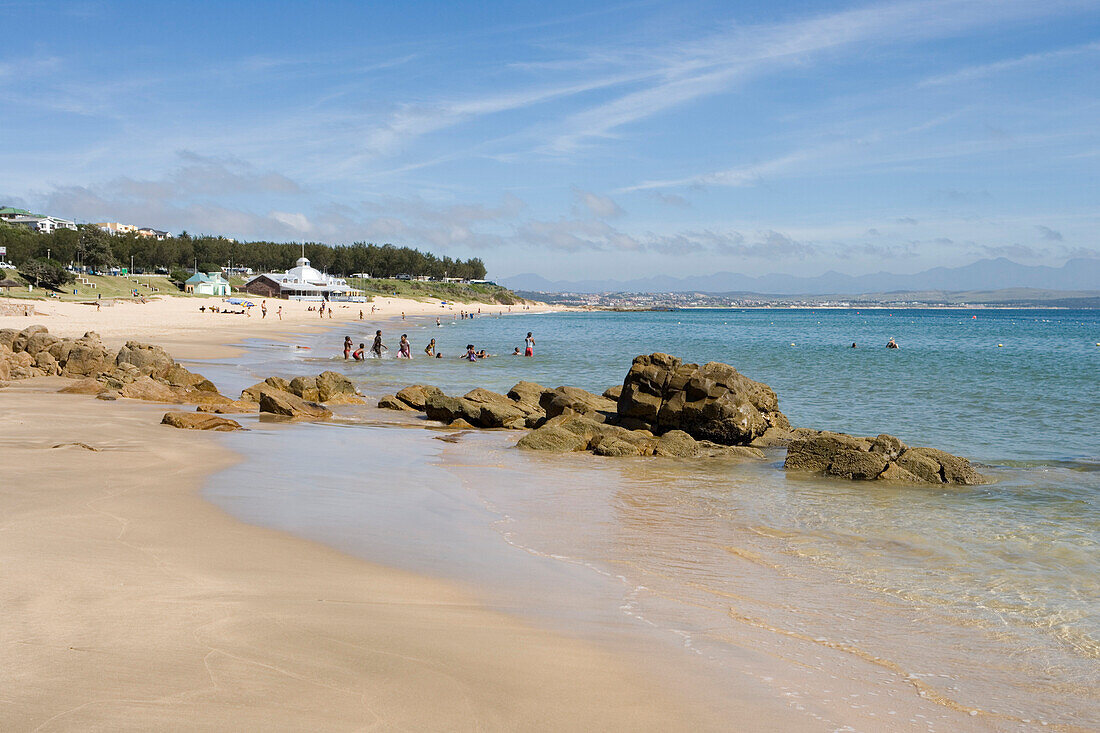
<point x="203" y="284"/>
<point x="302" y="282"/>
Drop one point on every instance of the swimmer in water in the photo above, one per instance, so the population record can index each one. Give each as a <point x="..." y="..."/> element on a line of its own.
<point x="853" y="344"/>
<point x="347" y="347"/>
<point x="358" y="354"/>
<point x="470" y="355"/>
<point x="404" y="349"/>
<point x="892" y="344"/>
<point x="529" y="345"/>
<point x="430" y="348"/>
<point x="378" y="347"/>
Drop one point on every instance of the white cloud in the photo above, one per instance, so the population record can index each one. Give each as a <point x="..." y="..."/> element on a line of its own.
<point x="601" y="207"/>
<point x="295" y="221"/>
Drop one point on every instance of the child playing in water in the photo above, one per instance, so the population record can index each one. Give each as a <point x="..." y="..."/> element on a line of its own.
<point x="358" y="354"/>
<point x="430" y="348"/>
<point x="347" y="347"/>
<point x="404" y="349"/>
<point x="378" y="347"/>
<point x="471" y="355"/>
<point x="529" y="344"/>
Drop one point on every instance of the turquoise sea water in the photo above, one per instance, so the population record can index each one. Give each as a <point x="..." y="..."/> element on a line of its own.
<point x="982" y="601"/>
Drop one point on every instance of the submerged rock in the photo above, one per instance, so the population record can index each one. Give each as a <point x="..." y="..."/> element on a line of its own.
<point x="554" y="439"/>
<point x="883" y="458"/>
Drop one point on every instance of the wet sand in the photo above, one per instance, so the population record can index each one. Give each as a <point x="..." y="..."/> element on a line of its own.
<point x="131" y="603"/>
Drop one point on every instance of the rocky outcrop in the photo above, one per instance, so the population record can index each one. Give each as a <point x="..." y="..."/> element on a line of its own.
<point x="484" y="408"/>
<point x="417" y="395"/>
<point x="880" y="458"/>
<point x="281" y="404"/>
<point x="150" y="360"/>
<point x="199" y="421"/>
<point x="711" y="402"/>
<point x="328" y="387"/>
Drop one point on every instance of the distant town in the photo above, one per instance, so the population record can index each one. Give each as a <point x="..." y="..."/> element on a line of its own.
<point x="1006" y="298"/>
<point x="47" y="224"/>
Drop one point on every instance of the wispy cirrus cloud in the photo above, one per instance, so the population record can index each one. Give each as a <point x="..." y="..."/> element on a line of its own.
<point x="980" y="71"/>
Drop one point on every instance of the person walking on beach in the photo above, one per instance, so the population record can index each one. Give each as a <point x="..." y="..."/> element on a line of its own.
<point x="529" y="345"/>
<point x="404" y="349"/>
<point x="378" y="347"/>
<point x="279" y="313"/>
<point x="347" y="347"/>
<point x="263" y="309"/>
<point x="430" y="348"/>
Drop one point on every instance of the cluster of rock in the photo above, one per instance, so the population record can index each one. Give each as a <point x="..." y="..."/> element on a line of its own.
<point x="883" y="458"/>
<point x="563" y="419"/>
<point x="668" y="408"/>
<point x="146" y="372"/>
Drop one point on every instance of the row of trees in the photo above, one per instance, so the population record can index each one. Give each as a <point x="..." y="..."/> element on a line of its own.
<point x="91" y="247"/>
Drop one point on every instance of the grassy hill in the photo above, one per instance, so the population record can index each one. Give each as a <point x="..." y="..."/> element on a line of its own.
<point x="108" y="286"/>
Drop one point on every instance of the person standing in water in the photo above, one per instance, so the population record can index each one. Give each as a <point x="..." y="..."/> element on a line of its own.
<point x="471" y="355"/>
<point x="378" y="347"/>
<point x="404" y="349"/>
<point x="430" y="348"/>
<point x="529" y="345"/>
<point x="347" y="347"/>
<point x="358" y="353"/>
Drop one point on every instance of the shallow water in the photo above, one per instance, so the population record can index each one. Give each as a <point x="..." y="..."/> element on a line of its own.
<point x="981" y="602"/>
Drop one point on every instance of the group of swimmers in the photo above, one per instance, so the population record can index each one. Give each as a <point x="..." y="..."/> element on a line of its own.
<point x="404" y="349"/>
<point x="891" y="344"/>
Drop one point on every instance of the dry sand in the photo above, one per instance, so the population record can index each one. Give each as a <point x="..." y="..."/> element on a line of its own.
<point x="177" y="324"/>
<point x="132" y="604"/>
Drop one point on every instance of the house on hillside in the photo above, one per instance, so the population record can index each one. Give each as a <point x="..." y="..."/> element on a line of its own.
<point x="113" y="227"/>
<point x="35" y="222"/>
<point x="302" y="283"/>
<point x="154" y="233"/>
<point x="202" y="283"/>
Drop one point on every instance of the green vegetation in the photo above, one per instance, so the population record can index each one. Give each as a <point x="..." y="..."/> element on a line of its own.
<point x="421" y="290"/>
<point x="45" y="273"/>
<point x="95" y="249"/>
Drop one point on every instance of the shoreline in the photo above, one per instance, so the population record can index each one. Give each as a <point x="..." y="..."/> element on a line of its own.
<point x="132" y="598"/>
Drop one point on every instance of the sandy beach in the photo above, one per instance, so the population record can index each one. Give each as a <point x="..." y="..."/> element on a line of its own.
<point x="179" y="325"/>
<point x="130" y="603"/>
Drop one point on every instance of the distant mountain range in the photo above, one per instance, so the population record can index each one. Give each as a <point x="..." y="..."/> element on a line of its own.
<point x="993" y="274"/>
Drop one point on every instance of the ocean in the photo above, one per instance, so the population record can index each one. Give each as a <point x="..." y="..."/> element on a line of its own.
<point x="845" y="598"/>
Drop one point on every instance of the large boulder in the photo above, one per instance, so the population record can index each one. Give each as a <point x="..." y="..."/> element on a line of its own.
<point x="150" y="360"/>
<point x="390" y="402"/>
<point x="306" y="388"/>
<point x="447" y="409"/>
<point x="40" y="341"/>
<point x="883" y="457"/>
<point x="554" y="439"/>
<point x="199" y="421"/>
<point x="19" y="342"/>
<point x="576" y="401"/>
<point x="676" y="444"/>
<point x="711" y="402"/>
<point x="84" y="357"/>
<point x="180" y="376"/>
<point x="495" y="410"/>
<point x="7" y="337"/>
<point x="46" y="363"/>
<point x="416" y="396"/>
<point x="331" y="384"/>
<point x="286" y="405"/>
<point x="253" y="393"/>
<point x="148" y="389"/>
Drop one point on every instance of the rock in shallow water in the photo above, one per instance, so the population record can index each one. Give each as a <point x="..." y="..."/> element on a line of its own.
<point x="199" y="421"/>
<point x="883" y="458"/>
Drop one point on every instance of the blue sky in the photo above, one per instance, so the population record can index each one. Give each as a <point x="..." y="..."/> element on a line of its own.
<point x="572" y="139"/>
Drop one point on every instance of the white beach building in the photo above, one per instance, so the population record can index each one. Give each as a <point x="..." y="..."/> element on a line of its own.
<point x="302" y="282"/>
